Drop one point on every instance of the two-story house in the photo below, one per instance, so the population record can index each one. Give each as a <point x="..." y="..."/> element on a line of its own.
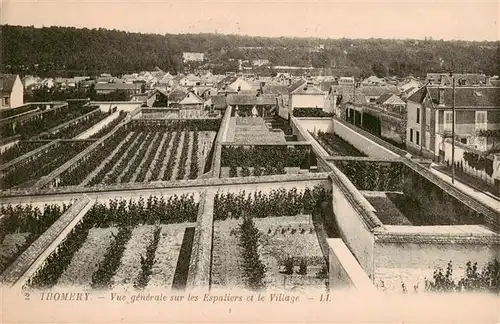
<point x="11" y="91"/>
<point x="430" y="118"/>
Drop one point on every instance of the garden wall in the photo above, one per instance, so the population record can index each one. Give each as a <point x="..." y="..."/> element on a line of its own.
<point x="217" y="147"/>
<point x="121" y="105"/>
<point x="200" y="264"/>
<point x="360" y="142"/>
<point x="436" y="204"/>
<point x="459" y="157"/>
<point x="411" y="262"/>
<point x="97" y="127"/>
<point x="348" y="207"/>
<point x="344" y="271"/>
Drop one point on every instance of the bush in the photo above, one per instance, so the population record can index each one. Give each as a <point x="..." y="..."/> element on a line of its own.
<point x="254" y="269"/>
<point x="289" y="266"/>
<point x="310" y="112"/>
<point x="474" y="280"/>
<point x="302" y="267"/>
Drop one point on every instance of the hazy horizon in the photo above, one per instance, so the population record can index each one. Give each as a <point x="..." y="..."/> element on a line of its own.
<point x="444" y="19"/>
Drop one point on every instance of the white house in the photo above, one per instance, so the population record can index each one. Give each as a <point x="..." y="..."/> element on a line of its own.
<point x="11" y="91"/>
<point x="303" y="94"/>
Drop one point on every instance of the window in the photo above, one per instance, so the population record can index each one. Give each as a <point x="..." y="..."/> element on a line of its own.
<point x="448" y="120"/>
<point x="481" y="120"/>
<point x="418" y="115"/>
<point x="411" y="135"/>
<point x="417" y="137"/>
<point x="7" y="101"/>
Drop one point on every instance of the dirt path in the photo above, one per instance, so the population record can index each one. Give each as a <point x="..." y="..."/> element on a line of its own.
<point x="189" y="155"/>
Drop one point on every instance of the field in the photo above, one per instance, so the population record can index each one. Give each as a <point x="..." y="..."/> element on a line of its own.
<point x="281" y="237"/>
<point x="336" y="146"/>
<point x="142" y="154"/>
<point x="25" y="173"/>
<point x="21" y="225"/>
<point x="125" y="245"/>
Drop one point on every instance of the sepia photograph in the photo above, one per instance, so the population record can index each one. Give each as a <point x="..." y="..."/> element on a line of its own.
<point x="234" y="161"/>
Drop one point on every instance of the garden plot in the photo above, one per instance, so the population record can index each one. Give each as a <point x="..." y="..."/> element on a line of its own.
<point x="130" y="265"/>
<point x="294" y="237"/>
<point x="10" y="247"/>
<point x="87" y="259"/>
<point x="227" y="271"/>
<point x="281" y="237"/>
<point x="167" y="254"/>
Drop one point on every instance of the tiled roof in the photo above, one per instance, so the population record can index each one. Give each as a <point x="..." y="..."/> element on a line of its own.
<point x="7" y="82"/>
<point x="326" y="85"/>
<point x="238" y="99"/>
<point x="373" y="91"/>
<point x="418" y="95"/>
<point x="275" y="89"/>
<point x="177" y="94"/>
<point x="227" y="80"/>
<point x="468" y="96"/>
<point x="295" y="85"/>
<point x="219" y="102"/>
<point x="117" y="86"/>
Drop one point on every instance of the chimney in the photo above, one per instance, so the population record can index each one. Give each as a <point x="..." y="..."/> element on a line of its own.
<point x="441" y="96"/>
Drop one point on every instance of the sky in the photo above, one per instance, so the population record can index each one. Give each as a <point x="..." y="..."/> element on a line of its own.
<point x="441" y="19"/>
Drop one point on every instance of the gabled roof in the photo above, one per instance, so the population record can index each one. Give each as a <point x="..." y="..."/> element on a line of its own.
<point x="219" y="102"/>
<point x="242" y="100"/>
<point x="418" y="96"/>
<point x="226" y="81"/>
<point x="7" y="82"/>
<point x="373" y="91"/>
<point x="177" y="94"/>
<point x="386" y="96"/>
<point x="294" y="86"/>
<point x="275" y="89"/>
<point x="326" y="85"/>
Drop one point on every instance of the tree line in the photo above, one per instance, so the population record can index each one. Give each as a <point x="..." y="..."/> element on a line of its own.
<point x="66" y="51"/>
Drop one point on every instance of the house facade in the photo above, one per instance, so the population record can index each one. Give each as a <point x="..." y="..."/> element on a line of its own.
<point x="304" y="94"/>
<point x="430" y="118"/>
<point x="11" y="91"/>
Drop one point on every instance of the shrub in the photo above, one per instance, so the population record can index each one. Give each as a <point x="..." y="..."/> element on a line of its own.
<point x="302" y="267"/>
<point x="289" y="266"/>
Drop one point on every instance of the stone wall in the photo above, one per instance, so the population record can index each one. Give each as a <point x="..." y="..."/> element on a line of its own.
<point x="351" y="224"/>
<point x="411" y="263"/>
<point x="200" y="263"/>
<point x="344" y="271"/>
<point x="360" y="142"/>
<point x="97" y="127"/>
<point x="435" y="205"/>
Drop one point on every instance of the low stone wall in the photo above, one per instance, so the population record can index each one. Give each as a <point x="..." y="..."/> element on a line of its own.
<point x="196" y="185"/>
<point x="201" y="255"/>
<point x="221" y="137"/>
<point x="97" y="127"/>
<point x="345" y="272"/>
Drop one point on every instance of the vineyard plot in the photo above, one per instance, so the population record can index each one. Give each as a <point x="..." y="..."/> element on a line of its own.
<point x="122" y="244"/>
<point x="26" y="173"/>
<point x="21" y="225"/>
<point x="137" y="155"/>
